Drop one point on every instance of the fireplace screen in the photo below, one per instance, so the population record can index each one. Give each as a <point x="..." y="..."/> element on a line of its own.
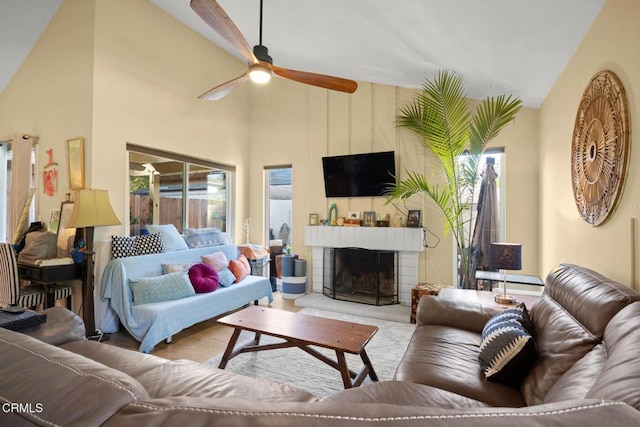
<point x="361" y="275"/>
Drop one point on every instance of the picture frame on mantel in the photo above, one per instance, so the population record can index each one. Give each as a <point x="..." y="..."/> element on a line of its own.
<point x="369" y="219"/>
<point x="75" y="155"/>
<point x="413" y="219"/>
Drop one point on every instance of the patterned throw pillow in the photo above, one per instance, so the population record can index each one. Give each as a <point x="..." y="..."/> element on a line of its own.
<point x="217" y="260"/>
<point x="171" y="239"/>
<point x="121" y="247"/>
<point x="507" y="351"/>
<point x="161" y="288"/>
<point x="176" y="268"/>
<point x="201" y="237"/>
<point x="149" y="244"/>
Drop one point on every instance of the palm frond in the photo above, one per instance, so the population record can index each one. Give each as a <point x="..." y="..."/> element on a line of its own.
<point x="439" y="115"/>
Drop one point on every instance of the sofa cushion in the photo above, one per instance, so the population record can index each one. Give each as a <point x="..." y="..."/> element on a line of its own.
<point x="404" y="393"/>
<point x="148" y="244"/>
<point x="201" y="237"/>
<point x="161" y="288"/>
<point x="178" y="267"/>
<point x="447" y="358"/>
<point x="239" y="270"/>
<point x="620" y="374"/>
<point x="507" y="351"/>
<point x="171" y="238"/>
<point x="123" y="247"/>
<point x="226" y="277"/>
<point x="217" y="260"/>
<point x="569" y="322"/>
<point x="62" y="388"/>
<point x="203" y="278"/>
<point x="188" y="378"/>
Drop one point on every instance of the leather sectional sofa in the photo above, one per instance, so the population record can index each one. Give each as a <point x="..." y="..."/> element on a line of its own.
<point x="586" y="329"/>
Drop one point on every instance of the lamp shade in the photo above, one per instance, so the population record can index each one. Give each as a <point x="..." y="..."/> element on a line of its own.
<point x="92" y="208"/>
<point x="506" y="256"/>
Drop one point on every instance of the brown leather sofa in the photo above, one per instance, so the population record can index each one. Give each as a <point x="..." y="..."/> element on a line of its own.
<point x="587" y="329"/>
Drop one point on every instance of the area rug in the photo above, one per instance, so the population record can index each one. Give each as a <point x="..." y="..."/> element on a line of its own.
<point x="394" y="312"/>
<point x="294" y="366"/>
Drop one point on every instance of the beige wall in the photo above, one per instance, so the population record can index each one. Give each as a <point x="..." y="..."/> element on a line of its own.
<point x="50" y="96"/>
<point x="297" y="125"/>
<point x="610" y="44"/>
<point x="149" y="70"/>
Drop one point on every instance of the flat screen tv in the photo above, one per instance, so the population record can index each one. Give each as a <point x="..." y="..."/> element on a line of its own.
<point x="358" y="175"/>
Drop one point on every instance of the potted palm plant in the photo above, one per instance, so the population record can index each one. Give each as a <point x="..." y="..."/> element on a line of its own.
<point x="441" y="119"/>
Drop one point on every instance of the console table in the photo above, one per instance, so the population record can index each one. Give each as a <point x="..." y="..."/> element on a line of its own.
<point x="52" y="274"/>
<point x="486" y="297"/>
<point x="495" y="276"/>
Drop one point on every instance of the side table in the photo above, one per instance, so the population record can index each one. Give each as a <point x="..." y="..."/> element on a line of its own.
<point x="486" y="297"/>
<point x="420" y="290"/>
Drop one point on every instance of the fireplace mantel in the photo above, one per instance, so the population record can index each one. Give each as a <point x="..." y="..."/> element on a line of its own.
<point x="406" y="241"/>
<point x="387" y="238"/>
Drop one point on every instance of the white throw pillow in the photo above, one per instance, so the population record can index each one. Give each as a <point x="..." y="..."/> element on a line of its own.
<point x="171" y="239"/>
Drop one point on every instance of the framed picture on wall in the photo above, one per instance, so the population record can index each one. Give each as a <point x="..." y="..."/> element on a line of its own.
<point x="65" y="234"/>
<point x="413" y="219"/>
<point x="75" y="152"/>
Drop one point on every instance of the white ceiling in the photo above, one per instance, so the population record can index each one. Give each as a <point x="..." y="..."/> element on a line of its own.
<point x="513" y="46"/>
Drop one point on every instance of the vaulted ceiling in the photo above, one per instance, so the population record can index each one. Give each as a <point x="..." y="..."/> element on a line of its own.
<point x="513" y="46"/>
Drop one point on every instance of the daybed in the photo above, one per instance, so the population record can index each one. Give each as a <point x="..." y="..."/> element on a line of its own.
<point x="587" y="373"/>
<point x="154" y="322"/>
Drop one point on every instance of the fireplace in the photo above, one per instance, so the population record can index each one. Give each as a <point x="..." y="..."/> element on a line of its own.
<point x="361" y="275"/>
<point x="405" y="241"/>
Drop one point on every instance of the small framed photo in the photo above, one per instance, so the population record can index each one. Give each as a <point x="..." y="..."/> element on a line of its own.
<point x="353" y="215"/>
<point x="413" y="219"/>
<point x="314" y="219"/>
<point x="369" y="219"/>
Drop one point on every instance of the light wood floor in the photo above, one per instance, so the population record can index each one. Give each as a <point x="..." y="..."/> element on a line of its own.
<point x="200" y="342"/>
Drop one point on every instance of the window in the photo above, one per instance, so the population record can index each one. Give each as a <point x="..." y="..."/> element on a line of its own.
<point x="170" y="188"/>
<point x="279" y="204"/>
<point x="7" y="193"/>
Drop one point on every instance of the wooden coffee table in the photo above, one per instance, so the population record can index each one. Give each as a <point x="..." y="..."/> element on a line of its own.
<point x="302" y="330"/>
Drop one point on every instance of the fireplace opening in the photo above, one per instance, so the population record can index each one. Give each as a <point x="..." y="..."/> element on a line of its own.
<point x="361" y="275"/>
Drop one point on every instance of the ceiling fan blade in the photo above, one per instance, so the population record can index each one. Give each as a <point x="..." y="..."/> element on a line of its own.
<point x="320" y="80"/>
<point x="225" y="88"/>
<point x="214" y="15"/>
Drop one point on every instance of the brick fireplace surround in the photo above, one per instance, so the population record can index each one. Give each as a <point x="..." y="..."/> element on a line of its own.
<point x="406" y="241"/>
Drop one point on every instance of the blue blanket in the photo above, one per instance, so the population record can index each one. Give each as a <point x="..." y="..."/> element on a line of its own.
<point x="154" y="322"/>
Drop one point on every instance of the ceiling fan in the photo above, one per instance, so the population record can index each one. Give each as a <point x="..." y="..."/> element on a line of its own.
<point x="260" y="63"/>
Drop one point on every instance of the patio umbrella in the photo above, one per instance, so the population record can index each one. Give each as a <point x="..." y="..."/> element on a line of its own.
<point x="486" y="227"/>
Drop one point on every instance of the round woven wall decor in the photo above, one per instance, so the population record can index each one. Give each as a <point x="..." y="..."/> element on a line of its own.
<point x="600" y="147"/>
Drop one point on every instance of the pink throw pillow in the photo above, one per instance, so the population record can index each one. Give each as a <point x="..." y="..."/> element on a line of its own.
<point x="243" y="259"/>
<point x="203" y="278"/>
<point x="217" y="260"/>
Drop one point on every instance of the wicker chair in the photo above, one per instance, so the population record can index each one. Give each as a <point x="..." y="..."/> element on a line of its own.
<point x="11" y="293"/>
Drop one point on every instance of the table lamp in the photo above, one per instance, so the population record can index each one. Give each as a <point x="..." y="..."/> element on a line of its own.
<point x="91" y="208"/>
<point x="505" y="256"/>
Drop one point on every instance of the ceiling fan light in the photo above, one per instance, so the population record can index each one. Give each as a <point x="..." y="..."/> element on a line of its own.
<point x="259" y="74"/>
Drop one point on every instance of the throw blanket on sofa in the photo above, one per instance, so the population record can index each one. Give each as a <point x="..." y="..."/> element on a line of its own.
<point x="154" y="322"/>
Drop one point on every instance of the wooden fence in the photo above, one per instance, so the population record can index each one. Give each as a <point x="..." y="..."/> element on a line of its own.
<point x="170" y="209"/>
